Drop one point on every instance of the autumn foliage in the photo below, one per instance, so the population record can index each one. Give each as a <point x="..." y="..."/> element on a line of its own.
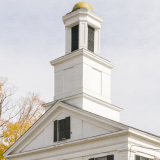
<point x="24" y="114"/>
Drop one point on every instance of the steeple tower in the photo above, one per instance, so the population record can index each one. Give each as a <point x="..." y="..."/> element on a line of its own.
<point x="82" y="77"/>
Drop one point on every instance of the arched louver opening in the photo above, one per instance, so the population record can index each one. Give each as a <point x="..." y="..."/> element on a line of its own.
<point x="90" y="38"/>
<point x="75" y="38"/>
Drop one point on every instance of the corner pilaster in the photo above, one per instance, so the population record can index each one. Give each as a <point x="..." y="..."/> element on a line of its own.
<point x="67" y="40"/>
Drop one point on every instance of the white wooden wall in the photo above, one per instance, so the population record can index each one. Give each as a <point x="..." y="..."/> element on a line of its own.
<point x="79" y="129"/>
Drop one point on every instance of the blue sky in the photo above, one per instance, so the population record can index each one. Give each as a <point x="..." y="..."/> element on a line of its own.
<point x="32" y="34"/>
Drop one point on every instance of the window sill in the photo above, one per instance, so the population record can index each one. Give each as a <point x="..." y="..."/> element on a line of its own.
<point x="62" y="141"/>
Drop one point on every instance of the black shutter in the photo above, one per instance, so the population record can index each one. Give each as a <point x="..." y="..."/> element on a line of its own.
<point x="75" y="37"/>
<point x="59" y="130"/>
<point x="91" y="159"/>
<point x="55" y="131"/>
<point x="137" y="157"/>
<point x="90" y="38"/>
<point x="68" y="132"/>
<point x="110" y="157"/>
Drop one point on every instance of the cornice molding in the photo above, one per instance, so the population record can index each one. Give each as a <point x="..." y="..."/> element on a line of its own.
<point x="93" y="98"/>
<point x="83" y="52"/>
<point x="145" y="135"/>
<point x="83" y="12"/>
<point x="68" y="143"/>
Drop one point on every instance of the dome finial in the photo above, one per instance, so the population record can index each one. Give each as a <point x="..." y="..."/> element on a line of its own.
<point x="82" y="5"/>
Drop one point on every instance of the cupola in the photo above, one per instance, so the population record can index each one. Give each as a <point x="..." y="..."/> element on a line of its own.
<point x="82" y="27"/>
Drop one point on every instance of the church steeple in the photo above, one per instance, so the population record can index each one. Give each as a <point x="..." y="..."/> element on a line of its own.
<point x="82" y="77"/>
<point x="82" y="27"/>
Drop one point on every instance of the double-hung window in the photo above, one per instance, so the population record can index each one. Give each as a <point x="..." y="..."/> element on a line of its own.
<point x="62" y="129"/>
<point x="109" y="157"/>
<point x="137" y="157"/>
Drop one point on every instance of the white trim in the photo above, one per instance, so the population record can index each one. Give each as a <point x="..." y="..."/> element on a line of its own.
<point x="94" y="99"/>
<point x="85" y="52"/>
<point x="48" y="104"/>
<point x="65" y="143"/>
<point x="49" y="111"/>
<point x="85" y="12"/>
<point x="143" y="134"/>
<point x="125" y="128"/>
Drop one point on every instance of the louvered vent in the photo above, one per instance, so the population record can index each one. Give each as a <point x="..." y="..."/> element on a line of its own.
<point x="90" y="38"/>
<point x="75" y="37"/>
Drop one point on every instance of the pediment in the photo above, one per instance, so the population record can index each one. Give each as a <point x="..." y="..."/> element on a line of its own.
<point x="83" y="125"/>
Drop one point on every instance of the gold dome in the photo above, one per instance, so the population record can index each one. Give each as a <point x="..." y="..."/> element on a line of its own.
<point x="83" y="5"/>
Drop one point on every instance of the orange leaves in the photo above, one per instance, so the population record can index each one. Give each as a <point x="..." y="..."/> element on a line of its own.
<point x="30" y="110"/>
<point x="2" y="150"/>
<point x="13" y="131"/>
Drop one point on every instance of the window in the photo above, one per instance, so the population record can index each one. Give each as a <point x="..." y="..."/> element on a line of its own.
<point x="109" y="157"/>
<point x="75" y="37"/>
<point x="62" y="129"/>
<point x="90" y="38"/>
<point x="141" y="158"/>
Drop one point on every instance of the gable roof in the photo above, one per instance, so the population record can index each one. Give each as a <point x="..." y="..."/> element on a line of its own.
<point x="55" y="105"/>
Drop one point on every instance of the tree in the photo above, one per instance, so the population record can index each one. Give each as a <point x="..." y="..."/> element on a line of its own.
<point x="26" y="112"/>
<point x="30" y="110"/>
<point x="6" y="103"/>
<point x="30" y="107"/>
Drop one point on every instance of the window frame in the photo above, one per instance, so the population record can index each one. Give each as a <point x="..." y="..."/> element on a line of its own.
<point x="90" y="28"/>
<point x="140" y="157"/>
<point x="74" y="38"/>
<point x="94" y="158"/>
<point x="56" y="137"/>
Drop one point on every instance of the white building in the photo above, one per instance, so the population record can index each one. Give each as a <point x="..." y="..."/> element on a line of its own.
<point x="82" y="123"/>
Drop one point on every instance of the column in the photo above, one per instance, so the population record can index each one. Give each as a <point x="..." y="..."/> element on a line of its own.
<point x="67" y="40"/>
<point x="97" y="41"/>
<point x="83" y="35"/>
